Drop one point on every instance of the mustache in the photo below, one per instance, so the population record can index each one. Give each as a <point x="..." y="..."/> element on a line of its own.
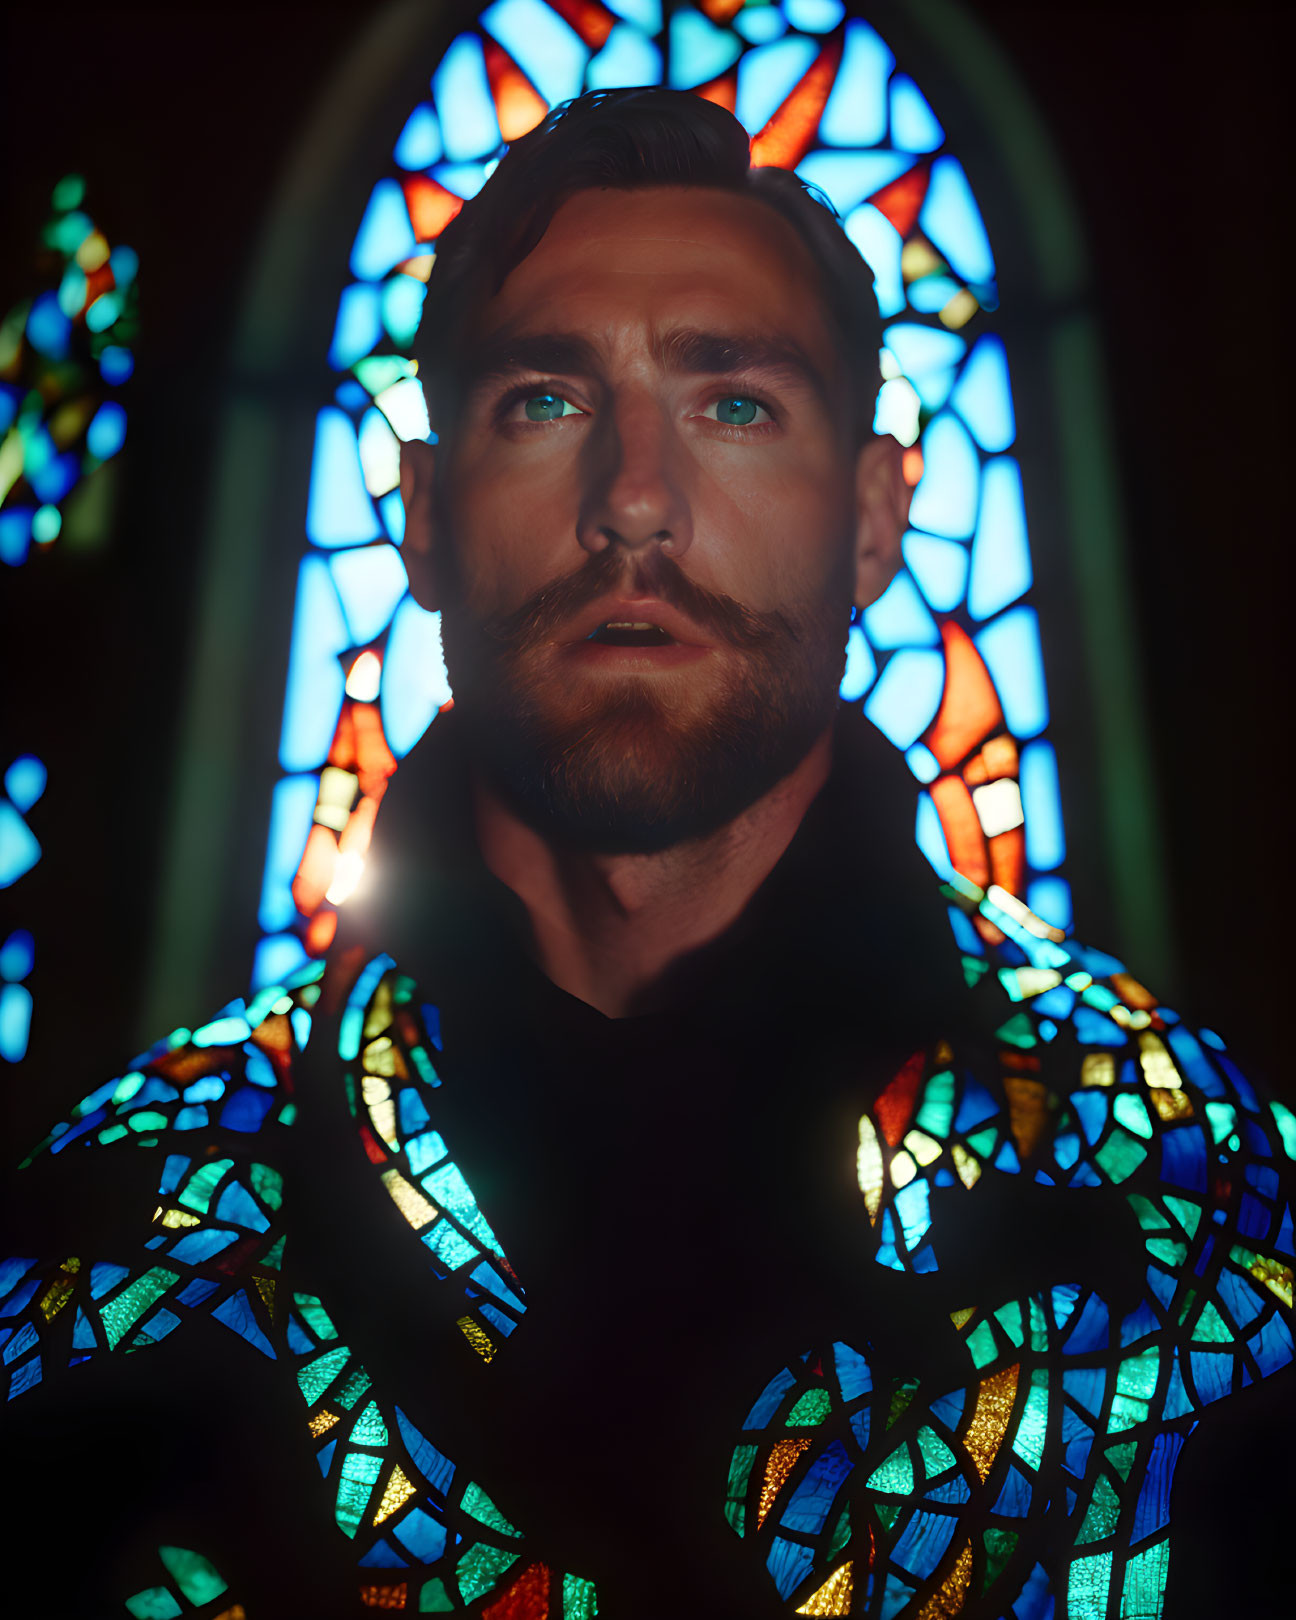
<point x="548" y="609"/>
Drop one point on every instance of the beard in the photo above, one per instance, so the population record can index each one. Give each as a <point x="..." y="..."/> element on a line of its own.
<point x="640" y="763"/>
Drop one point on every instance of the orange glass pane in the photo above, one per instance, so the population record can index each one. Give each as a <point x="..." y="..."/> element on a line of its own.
<point x="431" y="207"/>
<point x="1000" y="756"/>
<point x="963" y="836"/>
<point x="384" y="1597"/>
<point x="969" y="709"/>
<point x="374" y="761"/>
<point x="517" y="105"/>
<point x="722" y="91"/>
<point x="722" y="11"/>
<point x="902" y="200"/>
<point x="1027" y="1111"/>
<point x="359" y="828"/>
<point x="894" y="1108"/>
<point x="1008" y="860"/>
<point x="779" y="1464"/>
<point x="343" y="751"/>
<point x="527" y="1598"/>
<point x="591" y="21"/>
<point x="369" y="1142"/>
<point x="786" y="138"/>
<point x="320" y="931"/>
<point x="316" y="871"/>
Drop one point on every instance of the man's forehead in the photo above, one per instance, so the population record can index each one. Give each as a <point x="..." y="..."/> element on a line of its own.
<point x="663" y="258"/>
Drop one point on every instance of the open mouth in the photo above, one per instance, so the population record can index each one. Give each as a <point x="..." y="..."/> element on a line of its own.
<point x="630" y="633"/>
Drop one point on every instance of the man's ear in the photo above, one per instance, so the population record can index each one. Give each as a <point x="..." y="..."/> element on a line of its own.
<point x="418" y="490"/>
<point x="881" y="516"/>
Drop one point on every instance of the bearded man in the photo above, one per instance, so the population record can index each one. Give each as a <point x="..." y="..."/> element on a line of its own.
<point x="670" y="1224"/>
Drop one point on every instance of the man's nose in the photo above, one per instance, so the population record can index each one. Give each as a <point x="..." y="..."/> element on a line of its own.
<point x="635" y="493"/>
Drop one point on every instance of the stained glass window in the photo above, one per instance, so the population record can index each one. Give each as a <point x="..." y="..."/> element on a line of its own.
<point x="64" y="358"/>
<point x="948" y="664"/>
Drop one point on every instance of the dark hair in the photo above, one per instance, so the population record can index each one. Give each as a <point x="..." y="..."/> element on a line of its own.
<point x="623" y="139"/>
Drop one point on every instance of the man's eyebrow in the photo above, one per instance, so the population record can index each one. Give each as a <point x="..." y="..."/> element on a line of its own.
<point x="701" y="353"/>
<point x="506" y="354"/>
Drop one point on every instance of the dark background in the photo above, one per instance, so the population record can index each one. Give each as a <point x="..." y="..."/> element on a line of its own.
<point x="1169" y="121"/>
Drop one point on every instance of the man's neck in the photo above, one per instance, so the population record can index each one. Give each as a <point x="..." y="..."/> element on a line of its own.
<point x="607" y="928"/>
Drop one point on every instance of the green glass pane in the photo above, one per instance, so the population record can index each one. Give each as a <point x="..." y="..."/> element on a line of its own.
<point x="316" y="1376"/>
<point x="357" y="1382"/>
<point x="154" y="1604"/>
<point x="895" y="1477"/>
<point x="1211" y="1327"/>
<point x="813" y="1407"/>
<point x="317" y="1319"/>
<point x="369" y="1428"/>
<point x="267" y="1184"/>
<point x="124" y="1311"/>
<point x="1087" y="1588"/>
<point x="1145" y="1580"/>
<point x="999" y="1548"/>
<point x="1028" y="1442"/>
<point x="1104" y="1511"/>
<point x="981" y="1345"/>
<point x="579" y="1599"/>
<point x="197" y="1191"/>
<point x="937" y="1111"/>
<point x="1132" y="1112"/>
<point x="479" y="1506"/>
<point x="936" y="1455"/>
<point x="434" y="1599"/>
<point x="736" y="1496"/>
<point x="480" y="1568"/>
<point x="195" y="1575"/>
<point x="1120" y="1156"/>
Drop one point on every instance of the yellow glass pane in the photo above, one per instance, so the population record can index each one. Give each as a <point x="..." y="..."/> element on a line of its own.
<point x="834" y="1596"/>
<point x="781" y="1462"/>
<point x="398" y="1492"/>
<point x="990" y="1419"/>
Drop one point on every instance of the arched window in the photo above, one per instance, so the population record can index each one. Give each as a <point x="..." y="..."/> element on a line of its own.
<point x="951" y="663"/>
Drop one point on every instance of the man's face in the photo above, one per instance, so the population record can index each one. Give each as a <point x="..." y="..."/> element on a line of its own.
<point x="646" y="516"/>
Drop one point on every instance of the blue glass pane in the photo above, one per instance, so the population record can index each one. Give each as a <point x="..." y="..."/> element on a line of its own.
<point x="315" y="680"/>
<point x="463" y="179"/>
<point x="48" y="328"/>
<point x="848" y="177"/>
<point x="920" y="349"/>
<point x="15" y="1021"/>
<point x="414" y="683"/>
<point x="116" y="364"/>
<point x="277" y="956"/>
<point x="899" y="617"/>
<point x="856" y="113"/>
<point x="983" y="397"/>
<point x="699" y="51"/>
<point x="385" y="236"/>
<point x="945" y="501"/>
<point x="930" y="294"/>
<point x="370" y="582"/>
<point x="291" y="812"/>
<point x="338" y="510"/>
<point x="15" y="535"/>
<point x="627" y="59"/>
<point x="913" y="124"/>
<point x="904" y="702"/>
<point x="25" y="780"/>
<point x="1011" y="649"/>
<point x="880" y="246"/>
<point x="1042" y="807"/>
<point x="19" y="849"/>
<point x="359" y="325"/>
<point x="379" y="452"/>
<point x="421" y="1535"/>
<point x="647" y="13"/>
<point x="767" y="75"/>
<point x="469" y="126"/>
<point x="17" y="955"/>
<point x="861" y="667"/>
<point x="931" y="836"/>
<point x="549" y="52"/>
<point x="760" y="24"/>
<point x="1050" y="898"/>
<point x="952" y="222"/>
<point x="940" y="567"/>
<point x="419" y="145"/>
<point x="392" y="509"/>
<point x="1001" y="564"/>
<point x="814" y="16"/>
<point x="402" y="307"/>
<point x="107" y="431"/>
<point x="923" y="763"/>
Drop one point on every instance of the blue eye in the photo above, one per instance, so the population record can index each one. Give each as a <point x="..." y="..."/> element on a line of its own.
<point x="735" y="410"/>
<point x="548" y="408"/>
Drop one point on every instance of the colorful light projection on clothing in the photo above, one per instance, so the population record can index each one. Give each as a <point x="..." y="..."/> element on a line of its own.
<point x="1037" y="1474"/>
<point x="947" y="663"/>
<point x="64" y="356"/>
